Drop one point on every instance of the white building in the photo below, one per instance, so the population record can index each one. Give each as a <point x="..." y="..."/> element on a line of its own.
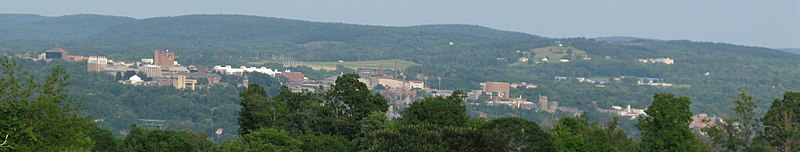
<point x="151" y="70"/>
<point x="227" y="69"/>
<point x="418" y="84"/>
<point x="147" y="61"/>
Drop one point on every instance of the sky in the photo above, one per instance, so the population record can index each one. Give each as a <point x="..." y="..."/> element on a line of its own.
<point x="765" y="23"/>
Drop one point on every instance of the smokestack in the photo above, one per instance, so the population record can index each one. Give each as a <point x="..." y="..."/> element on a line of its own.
<point x="381" y="69"/>
<point x="396" y="76"/>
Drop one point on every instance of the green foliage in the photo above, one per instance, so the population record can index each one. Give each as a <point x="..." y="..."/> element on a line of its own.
<point x="735" y="134"/>
<point x="325" y="143"/>
<point x="141" y="139"/>
<point x="576" y="134"/>
<point x="619" y="138"/>
<point x="39" y="117"/>
<point x="666" y="127"/>
<point x="356" y="99"/>
<point x="426" y="137"/>
<point x="782" y="123"/>
<point x="449" y="111"/>
<point x="370" y="126"/>
<point x="347" y="102"/>
<point x="516" y="134"/>
<point x="104" y="140"/>
<point x="264" y="139"/>
<point x="260" y="111"/>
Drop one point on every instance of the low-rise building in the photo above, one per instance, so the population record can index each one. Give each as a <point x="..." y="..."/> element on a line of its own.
<point x="417" y="84"/>
<point x="242" y="69"/>
<point x="502" y="89"/>
<point x="96" y="63"/>
<point x="152" y="70"/>
<point x="182" y="82"/>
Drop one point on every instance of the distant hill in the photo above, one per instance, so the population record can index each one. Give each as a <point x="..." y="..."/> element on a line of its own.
<point x="622" y="39"/>
<point x="34" y="27"/>
<point x="791" y="50"/>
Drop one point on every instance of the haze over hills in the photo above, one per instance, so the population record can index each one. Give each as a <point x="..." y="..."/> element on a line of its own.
<point x="462" y="55"/>
<point x="791" y="50"/>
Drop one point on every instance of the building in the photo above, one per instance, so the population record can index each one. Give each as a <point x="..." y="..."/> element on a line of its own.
<point x="552" y="106"/>
<point x="503" y="89"/>
<point x="212" y="78"/>
<point x="182" y="82"/>
<point x="227" y="69"/>
<point x="134" y="80"/>
<point x="96" y="63"/>
<point x="417" y="84"/>
<point x="174" y="70"/>
<point x="147" y="61"/>
<point x="543" y="102"/>
<point x="56" y="53"/>
<point x="164" y="58"/>
<point x="393" y="83"/>
<point x="700" y="121"/>
<point x="658" y="60"/>
<point x="523" y="84"/>
<point x="517" y="103"/>
<point x="76" y="58"/>
<point x="294" y="76"/>
<point x="151" y="70"/>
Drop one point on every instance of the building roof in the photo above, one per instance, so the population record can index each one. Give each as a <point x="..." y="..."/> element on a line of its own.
<point x="198" y="75"/>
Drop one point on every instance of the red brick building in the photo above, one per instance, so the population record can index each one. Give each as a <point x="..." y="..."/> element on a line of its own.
<point x="164" y="58"/>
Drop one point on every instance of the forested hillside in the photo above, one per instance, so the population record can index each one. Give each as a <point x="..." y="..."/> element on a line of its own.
<point x="462" y="55"/>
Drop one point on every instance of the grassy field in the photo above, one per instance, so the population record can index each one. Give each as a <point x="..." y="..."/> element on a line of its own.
<point x="387" y="64"/>
<point x="555" y="53"/>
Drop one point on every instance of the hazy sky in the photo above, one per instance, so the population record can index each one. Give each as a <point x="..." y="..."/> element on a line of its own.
<point x="767" y="23"/>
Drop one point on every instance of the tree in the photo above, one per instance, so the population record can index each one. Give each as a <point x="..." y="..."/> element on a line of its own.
<point x="666" y="127"/>
<point x="447" y="111"/>
<point x="264" y="139"/>
<point x="39" y="117"/>
<point x="324" y="143"/>
<point x="141" y="139"/>
<point x="735" y="134"/>
<point x="517" y="134"/>
<point x="104" y="139"/>
<point x="618" y="136"/>
<point x="259" y="111"/>
<point x="576" y="134"/>
<point x="346" y="103"/>
<point x="782" y="123"/>
<point x="370" y="126"/>
<point x="353" y="98"/>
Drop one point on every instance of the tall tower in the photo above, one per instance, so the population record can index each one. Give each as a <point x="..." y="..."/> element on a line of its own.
<point x="164" y="58"/>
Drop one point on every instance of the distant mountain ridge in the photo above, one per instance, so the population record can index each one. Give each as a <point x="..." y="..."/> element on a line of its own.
<point x="791" y="50"/>
<point x="35" y="27"/>
<point x="208" y="28"/>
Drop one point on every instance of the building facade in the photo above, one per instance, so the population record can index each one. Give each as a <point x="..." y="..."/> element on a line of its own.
<point x="181" y="82"/>
<point x="152" y="70"/>
<point x="164" y="58"/>
<point x="96" y="63"/>
<point x="501" y="88"/>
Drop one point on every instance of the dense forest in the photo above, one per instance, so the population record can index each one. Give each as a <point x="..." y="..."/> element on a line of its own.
<point x="40" y="114"/>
